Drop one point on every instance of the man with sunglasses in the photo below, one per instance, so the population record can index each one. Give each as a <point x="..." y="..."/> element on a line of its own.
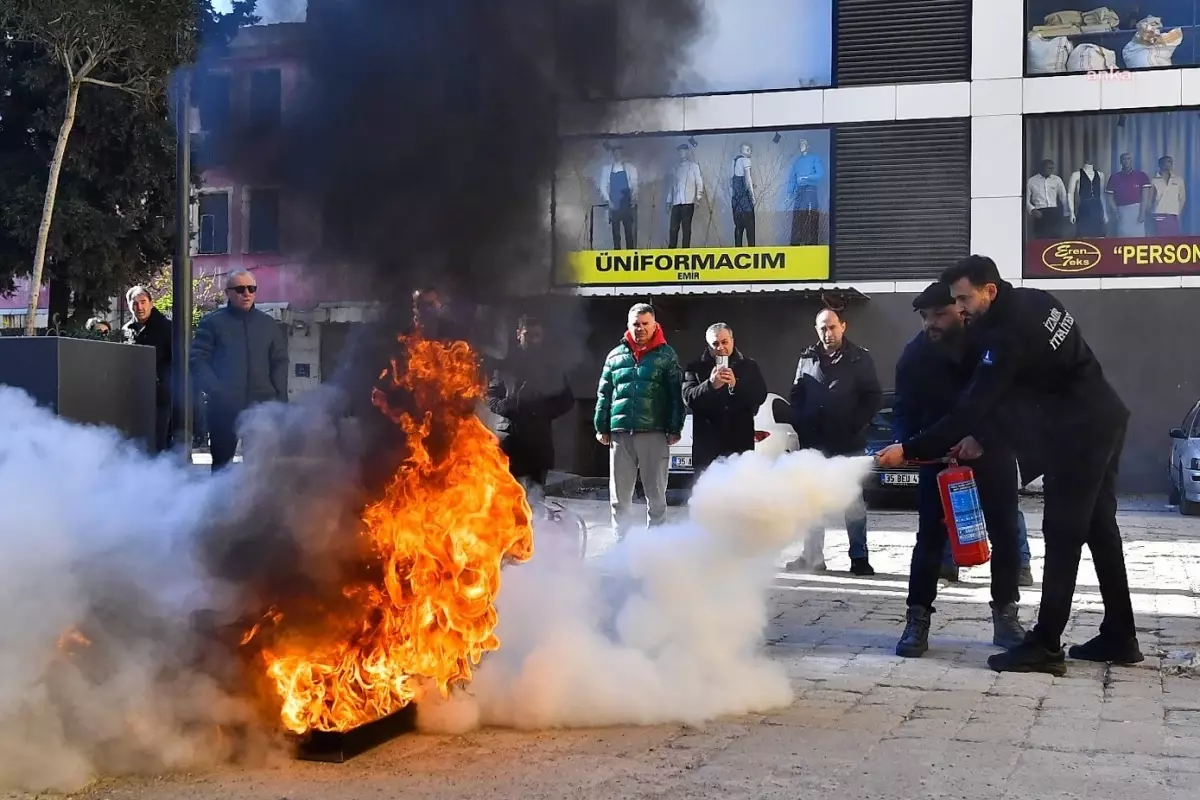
<point x="239" y="359"/>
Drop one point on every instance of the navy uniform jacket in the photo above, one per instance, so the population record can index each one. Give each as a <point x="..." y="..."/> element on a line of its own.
<point x="1031" y="355"/>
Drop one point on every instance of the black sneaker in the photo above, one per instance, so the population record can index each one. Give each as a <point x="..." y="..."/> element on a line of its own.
<point x="914" y="642"/>
<point x="1030" y="656"/>
<point x="1103" y="650"/>
<point x="1006" y="627"/>
<point x="1025" y="577"/>
<point x="861" y="566"/>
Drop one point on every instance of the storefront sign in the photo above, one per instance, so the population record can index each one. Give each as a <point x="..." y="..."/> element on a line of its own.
<point x="1112" y="258"/>
<point x="697" y="265"/>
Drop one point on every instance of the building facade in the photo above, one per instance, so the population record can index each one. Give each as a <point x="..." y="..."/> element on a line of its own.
<point x="924" y="129"/>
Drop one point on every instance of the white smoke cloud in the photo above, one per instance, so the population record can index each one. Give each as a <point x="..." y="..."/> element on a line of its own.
<point x="666" y="627"/>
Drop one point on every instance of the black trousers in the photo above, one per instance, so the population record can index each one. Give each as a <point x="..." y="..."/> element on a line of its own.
<point x="623" y="217"/>
<point x="1081" y="509"/>
<point x="162" y="429"/>
<point x="681" y="218"/>
<point x="996" y="480"/>
<point x="743" y="224"/>
<point x="222" y="434"/>
<point x="1046" y="226"/>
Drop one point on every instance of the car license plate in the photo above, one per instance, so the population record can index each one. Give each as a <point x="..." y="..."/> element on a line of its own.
<point x="681" y="462"/>
<point x="899" y="478"/>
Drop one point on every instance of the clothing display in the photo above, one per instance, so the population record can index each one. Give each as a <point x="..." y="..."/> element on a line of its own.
<point x="682" y="215"/>
<point x="805" y="180"/>
<point x="1087" y="203"/>
<point x="618" y="186"/>
<point x="1045" y="198"/>
<point x="742" y="200"/>
<point x="684" y="190"/>
<point x="1126" y="188"/>
<point x="1051" y="47"/>
<point x="1091" y="58"/>
<point x="1170" y="196"/>
<point x="1047" y="56"/>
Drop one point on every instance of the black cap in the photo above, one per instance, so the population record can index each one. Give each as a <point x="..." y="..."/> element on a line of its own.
<point x="936" y="295"/>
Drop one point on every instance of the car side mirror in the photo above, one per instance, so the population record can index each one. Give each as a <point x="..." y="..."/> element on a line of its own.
<point x="1177" y="433"/>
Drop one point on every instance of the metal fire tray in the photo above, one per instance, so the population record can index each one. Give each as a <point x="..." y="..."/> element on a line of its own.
<point x="333" y="747"/>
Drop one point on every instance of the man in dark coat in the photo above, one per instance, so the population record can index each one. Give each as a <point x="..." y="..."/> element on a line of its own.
<point x="239" y="358"/>
<point x="723" y="399"/>
<point x="1032" y="350"/>
<point x="529" y="392"/>
<point x="835" y="396"/>
<point x="932" y="372"/>
<point x="150" y="327"/>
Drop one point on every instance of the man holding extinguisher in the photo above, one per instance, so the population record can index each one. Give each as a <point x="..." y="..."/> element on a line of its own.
<point x="931" y="373"/>
<point x="1031" y="349"/>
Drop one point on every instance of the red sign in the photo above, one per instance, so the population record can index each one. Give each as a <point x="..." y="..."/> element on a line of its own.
<point x="1112" y="258"/>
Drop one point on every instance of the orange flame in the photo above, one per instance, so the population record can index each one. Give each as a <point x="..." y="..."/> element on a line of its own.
<point x="448" y="520"/>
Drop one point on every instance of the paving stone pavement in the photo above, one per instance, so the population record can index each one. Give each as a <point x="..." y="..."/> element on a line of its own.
<point x="866" y="724"/>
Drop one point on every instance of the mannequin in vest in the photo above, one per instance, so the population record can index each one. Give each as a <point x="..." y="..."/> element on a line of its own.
<point x="742" y="197"/>
<point x="1085" y="199"/>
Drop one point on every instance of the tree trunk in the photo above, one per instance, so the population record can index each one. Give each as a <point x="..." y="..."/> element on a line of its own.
<point x="39" y="256"/>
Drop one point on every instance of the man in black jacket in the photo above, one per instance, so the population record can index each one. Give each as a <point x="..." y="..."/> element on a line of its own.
<point x="1032" y="350"/>
<point x="150" y="327"/>
<point x="834" y="397"/>
<point x="239" y="358"/>
<point x="529" y="392"/>
<point x="931" y="373"/>
<point x="723" y="399"/>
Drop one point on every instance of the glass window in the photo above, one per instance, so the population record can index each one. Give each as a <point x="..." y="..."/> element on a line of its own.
<point x="1108" y="195"/>
<point x="266" y="98"/>
<point x="1191" y="423"/>
<point x="214" y="223"/>
<point x="748" y="207"/>
<point x="1065" y="36"/>
<point x="264" y="221"/>
<point x="781" y="410"/>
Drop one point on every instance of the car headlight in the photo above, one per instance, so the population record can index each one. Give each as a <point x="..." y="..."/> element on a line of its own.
<point x="1195" y="464"/>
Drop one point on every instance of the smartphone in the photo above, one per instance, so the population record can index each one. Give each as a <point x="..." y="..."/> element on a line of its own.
<point x="722" y="361"/>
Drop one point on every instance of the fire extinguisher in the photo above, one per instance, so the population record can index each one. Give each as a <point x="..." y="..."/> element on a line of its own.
<point x="964" y="515"/>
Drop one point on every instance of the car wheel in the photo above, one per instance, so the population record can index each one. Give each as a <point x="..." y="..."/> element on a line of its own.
<point x="1188" y="508"/>
<point x="1173" y="495"/>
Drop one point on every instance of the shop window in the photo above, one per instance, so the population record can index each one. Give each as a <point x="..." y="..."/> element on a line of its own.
<point x="264" y="221"/>
<point x="1107" y="195"/>
<point x="1080" y="36"/>
<point x="213" y="221"/>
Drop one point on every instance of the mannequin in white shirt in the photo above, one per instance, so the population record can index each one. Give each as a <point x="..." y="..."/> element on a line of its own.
<point x="1045" y="202"/>
<point x="619" y="188"/>
<point x="685" y="188"/>
<point x="1085" y="199"/>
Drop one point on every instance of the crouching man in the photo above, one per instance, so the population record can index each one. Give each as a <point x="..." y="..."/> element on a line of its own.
<point x="932" y="372"/>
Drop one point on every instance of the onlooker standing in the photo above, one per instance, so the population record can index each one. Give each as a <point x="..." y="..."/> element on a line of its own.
<point x="835" y="396"/>
<point x="723" y="397"/>
<point x="151" y="327"/>
<point x="639" y="415"/>
<point x="529" y="391"/>
<point x="239" y="358"/>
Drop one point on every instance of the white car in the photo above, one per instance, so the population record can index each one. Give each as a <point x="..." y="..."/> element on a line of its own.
<point x="773" y="435"/>
<point x="1183" y="468"/>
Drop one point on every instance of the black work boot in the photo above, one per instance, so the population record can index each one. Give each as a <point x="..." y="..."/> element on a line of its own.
<point x="915" y="639"/>
<point x="1106" y="650"/>
<point x="861" y="566"/>
<point x="1030" y="656"/>
<point x="1006" y="626"/>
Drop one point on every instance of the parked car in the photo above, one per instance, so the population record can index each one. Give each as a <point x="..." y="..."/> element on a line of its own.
<point x="773" y="435"/>
<point x="888" y="484"/>
<point x="1183" y="467"/>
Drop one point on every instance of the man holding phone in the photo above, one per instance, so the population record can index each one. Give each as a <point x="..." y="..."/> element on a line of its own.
<point x="723" y="390"/>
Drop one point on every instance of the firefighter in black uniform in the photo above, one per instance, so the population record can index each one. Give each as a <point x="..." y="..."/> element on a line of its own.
<point x="931" y="373"/>
<point x="1031" y="350"/>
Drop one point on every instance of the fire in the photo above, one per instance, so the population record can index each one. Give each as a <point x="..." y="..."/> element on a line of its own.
<point x="448" y="520"/>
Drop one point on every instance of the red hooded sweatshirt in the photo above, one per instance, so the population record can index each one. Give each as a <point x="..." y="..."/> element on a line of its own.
<point x="657" y="340"/>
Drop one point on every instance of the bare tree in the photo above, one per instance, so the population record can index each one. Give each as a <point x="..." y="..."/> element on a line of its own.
<point x="121" y="45"/>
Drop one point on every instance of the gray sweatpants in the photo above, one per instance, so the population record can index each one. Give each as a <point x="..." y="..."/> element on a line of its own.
<point x="630" y="455"/>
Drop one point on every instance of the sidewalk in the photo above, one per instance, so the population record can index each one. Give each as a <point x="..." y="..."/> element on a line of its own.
<point x="866" y="725"/>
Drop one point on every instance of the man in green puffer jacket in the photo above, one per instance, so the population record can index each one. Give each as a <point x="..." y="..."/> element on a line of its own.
<point x="639" y="415"/>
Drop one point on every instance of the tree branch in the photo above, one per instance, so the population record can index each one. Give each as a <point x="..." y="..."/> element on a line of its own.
<point x="124" y="87"/>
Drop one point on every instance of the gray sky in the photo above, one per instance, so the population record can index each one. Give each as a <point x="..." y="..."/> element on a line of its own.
<point x="273" y="10"/>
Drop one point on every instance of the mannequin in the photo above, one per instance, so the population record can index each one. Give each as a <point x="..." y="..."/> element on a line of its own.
<point x="619" y="187"/>
<point x="1085" y="200"/>
<point x="807" y="172"/>
<point x="685" y="188"/>
<point x="742" y="194"/>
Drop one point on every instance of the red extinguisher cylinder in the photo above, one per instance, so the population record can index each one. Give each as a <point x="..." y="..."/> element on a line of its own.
<point x="964" y="516"/>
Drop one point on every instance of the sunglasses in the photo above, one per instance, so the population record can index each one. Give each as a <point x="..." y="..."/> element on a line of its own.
<point x="244" y="289"/>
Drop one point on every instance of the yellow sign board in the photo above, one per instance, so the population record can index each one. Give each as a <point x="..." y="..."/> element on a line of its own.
<point x="699" y="265"/>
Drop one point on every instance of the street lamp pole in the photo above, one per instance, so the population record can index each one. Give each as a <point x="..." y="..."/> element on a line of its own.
<point x="181" y="269"/>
